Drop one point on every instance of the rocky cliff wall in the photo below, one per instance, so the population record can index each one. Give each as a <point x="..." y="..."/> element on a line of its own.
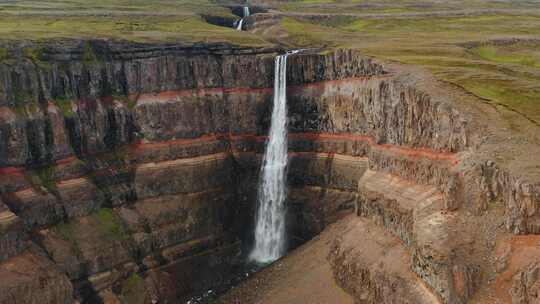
<point x="118" y="161"/>
<point x="130" y="170"/>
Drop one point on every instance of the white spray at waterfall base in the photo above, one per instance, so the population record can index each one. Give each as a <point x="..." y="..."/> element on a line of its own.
<point x="270" y="240"/>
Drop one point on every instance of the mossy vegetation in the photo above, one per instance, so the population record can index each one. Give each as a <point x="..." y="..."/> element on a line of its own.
<point x="126" y="100"/>
<point x="43" y="179"/>
<point x="356" y="25"/>
<point x="526" y="55"/>
<point x="65" y="105"/>
<point x="127" y="20"/>
<point x="106" y="226"/>
<point x="131" y="103"/>
<point x="390" y="6"/>
<point x="176" y="7"/>
<point x="302" y="33"/>
<point x="133" y="290"/>
<point x="4" y="54"/>
<point x="66" y="231"/>
<point x="36" y="56"/>
<point x="47" y="177"/>
<point x="505" y="73"/>
<point x="23" y="105"/>
<point x="110" y="225"/>
<point x="89" y="56"/>
<point x="190" y="28"/>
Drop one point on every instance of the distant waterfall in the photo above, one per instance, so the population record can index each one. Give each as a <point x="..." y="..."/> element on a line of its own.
<point x="241" y="22"/>
<point x="239" y="27"/>
<point x="270" y="242"/>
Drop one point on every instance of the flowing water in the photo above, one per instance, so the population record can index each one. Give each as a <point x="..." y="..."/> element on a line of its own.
<point x="241" y="22"/>
<point x="239" y="27"/>
<point x="270" y="235"/>
<point x="270" y="240"/>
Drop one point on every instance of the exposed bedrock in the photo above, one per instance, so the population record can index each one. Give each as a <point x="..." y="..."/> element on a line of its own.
<point x="417" y="215"/>
<point x="31" y="277"/>
<point x="130" y="171"/>
<point x="370" y="264"/>
<point x="13" y="237"/>
<point x="526" y="286"/>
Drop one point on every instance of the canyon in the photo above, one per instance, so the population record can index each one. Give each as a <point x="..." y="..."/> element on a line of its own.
<point x="128" y="173"/>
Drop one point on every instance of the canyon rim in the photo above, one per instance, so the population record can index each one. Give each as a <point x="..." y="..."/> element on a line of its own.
<point x="144" y="143"/>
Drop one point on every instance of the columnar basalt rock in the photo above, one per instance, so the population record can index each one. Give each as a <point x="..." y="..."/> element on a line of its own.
<point x="152" y="153"/>
<point x="526" y="285"/>
<point x="370" y="264"/>
<point x="13" y="239"/>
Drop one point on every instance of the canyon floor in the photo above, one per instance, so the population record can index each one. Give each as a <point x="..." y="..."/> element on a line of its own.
<point x="303" y="276"/>
<point x="306" y="275"/>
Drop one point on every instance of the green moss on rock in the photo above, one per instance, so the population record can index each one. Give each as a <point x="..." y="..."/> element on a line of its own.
<point x="47" y="178"/>
<point x="65" y="105"/>
<point x="66" y="231"/>
<point x="110" y="225"/>
<point x="89" y="56"/>
<point x="35" y="54"/>
<point x="4" y="54"/>
<point x="133" y="290"/>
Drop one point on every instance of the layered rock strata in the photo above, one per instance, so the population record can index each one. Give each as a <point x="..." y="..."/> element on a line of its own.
<point x="126" y="166"/>
<point x="130" y="171"/>
<point x="368" y="256"/>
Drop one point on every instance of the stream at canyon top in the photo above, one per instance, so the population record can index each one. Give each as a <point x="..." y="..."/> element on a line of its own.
<point x="241" y="21"/>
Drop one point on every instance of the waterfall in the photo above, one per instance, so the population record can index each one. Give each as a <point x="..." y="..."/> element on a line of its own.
<point x="239" y="27"/>
<point x="270" y="242"/>
<point x="241" y="22"/>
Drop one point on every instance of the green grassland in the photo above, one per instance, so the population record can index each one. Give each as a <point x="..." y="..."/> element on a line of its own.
<point x="55" y="7"/>
<point x="527" y="55"/>
<point x="462" y="50"/>
<point x="131" y="20"/>
<point x="393" y="6"/>
<point x="133" y="28"/>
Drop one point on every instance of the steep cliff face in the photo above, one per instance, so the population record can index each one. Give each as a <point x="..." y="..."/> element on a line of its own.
<point x="129" y="171"/>
<point x="124" y="163"/>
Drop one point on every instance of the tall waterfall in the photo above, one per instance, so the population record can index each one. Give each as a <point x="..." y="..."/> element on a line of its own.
<point x="270" y="242"/>
<point x="241" y="22"/>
